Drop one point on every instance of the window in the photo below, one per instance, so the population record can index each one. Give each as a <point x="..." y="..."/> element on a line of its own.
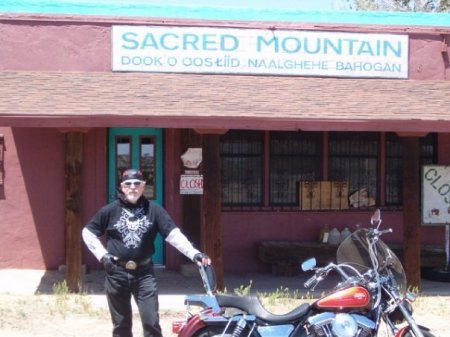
<point x="242" y="167"/>
<point x="294" y="157"/>
<point x="353" y="157"/>
<point x="147" y="164"/>
<point x="263" y="169"/>
<point x="393" y="179"/>
<point x="428" y="149"/>
<point x="123" y="155"/>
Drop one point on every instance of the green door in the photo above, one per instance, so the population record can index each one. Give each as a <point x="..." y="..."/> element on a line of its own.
<point x="137" y="148"/>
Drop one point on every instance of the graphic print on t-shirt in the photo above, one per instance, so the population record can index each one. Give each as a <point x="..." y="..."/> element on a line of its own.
<point x="132" y="226"/>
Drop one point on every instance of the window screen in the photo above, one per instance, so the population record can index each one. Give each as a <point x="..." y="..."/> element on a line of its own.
<point x="294" y="157"/>
<point x="353" y="157"/>
<point x="242" y="167"/>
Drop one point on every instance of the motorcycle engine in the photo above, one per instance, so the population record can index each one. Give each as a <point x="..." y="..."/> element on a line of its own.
<point x="330" y="324"/>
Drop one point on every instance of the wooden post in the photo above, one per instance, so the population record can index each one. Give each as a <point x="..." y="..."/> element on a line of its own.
<point x="73" y="163"/>
<point x="211" y="228"/>
<point x="411" y="209"/>
<point x="191" y="203"/>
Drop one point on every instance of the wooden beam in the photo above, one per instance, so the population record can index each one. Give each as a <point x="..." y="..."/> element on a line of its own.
<point x="411" y="209"/>
<point x="74" y="129"/>
<point x="211" y="228"/>
<point x="73" y="163"/>
<point x="412" y="134"/>
<point x="211" y="131"/>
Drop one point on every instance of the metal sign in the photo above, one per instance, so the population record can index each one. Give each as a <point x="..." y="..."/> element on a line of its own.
<point x="191" y="184"/>
<point x="259" y="51"/>
<point x="436" y="195"/>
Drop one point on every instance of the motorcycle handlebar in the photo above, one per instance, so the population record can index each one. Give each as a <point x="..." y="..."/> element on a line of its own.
<point x="318" y="276"/>
<point x="375" y="232"/>
<point x="312" y="280"/>
<point x="208" y="277"/>
<point x="321" y="273"/>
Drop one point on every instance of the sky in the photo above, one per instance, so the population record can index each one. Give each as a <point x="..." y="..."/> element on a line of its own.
<point x="298" y="4"/>
<point x="317" y="11"/>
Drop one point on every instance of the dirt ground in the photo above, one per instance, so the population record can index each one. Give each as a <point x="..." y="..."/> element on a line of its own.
<point x="64" y="315"/>
<point x="31" y="305"/>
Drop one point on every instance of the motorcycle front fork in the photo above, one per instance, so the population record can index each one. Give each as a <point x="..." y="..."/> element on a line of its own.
<point x="412" y="323"/>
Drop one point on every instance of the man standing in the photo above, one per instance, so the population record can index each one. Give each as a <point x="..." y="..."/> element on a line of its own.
<point x="130" y="225"/>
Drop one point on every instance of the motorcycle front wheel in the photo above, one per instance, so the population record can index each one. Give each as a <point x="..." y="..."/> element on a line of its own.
<point x="425" y="331"/>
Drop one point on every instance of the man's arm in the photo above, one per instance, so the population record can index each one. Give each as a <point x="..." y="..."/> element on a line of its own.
<point x="181" y="243"/>
<point x="93" y="243"/>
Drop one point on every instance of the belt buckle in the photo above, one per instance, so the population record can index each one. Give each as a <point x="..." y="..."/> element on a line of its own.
<point x="131" y="265"/>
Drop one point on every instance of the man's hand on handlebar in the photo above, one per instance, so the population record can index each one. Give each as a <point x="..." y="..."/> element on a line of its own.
<point x="202" y="259"/>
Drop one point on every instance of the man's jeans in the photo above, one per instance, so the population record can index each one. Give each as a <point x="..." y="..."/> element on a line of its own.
<point x="120" y="285"/>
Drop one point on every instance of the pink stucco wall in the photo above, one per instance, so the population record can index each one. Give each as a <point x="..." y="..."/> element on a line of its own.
<point x="55" y="47"/>
<point x="32" y="205"/>
<point x="84" y="46"/>
<point x="244" y="231"/>
<point x="426" y="60"/>
<point x="32" y="199"/>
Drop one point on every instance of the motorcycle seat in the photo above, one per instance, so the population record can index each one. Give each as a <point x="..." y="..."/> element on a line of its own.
<point x="253" y="306"/>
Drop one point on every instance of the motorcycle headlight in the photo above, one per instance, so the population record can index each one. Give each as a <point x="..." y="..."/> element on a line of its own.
<point x="397" y="316"/>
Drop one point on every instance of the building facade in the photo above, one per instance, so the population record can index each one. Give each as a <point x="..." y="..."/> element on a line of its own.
<point x="93" y="93"/>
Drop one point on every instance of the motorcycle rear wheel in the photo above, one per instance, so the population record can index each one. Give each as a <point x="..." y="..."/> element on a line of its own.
<point x="211" y="331"/>
<point x="425" y="332"/>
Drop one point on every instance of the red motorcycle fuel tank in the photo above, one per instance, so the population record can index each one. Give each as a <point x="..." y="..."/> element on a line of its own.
<point x="349" y="298"/>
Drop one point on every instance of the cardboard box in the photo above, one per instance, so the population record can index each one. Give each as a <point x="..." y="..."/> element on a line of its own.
<point x="323" y="195"/>
<point x="339" y="195"/>
<point x="309" y="195"/>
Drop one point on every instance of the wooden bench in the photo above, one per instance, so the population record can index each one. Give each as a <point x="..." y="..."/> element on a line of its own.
<point x="285" y="257"/>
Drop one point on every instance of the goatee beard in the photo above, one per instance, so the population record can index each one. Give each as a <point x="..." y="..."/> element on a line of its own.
<point x="132" y="198"/>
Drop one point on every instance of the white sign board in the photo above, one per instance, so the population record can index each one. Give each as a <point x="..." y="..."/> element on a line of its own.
<point x="436" y="195"/>
<point x="192" y="158"/>
<point x="191" y="184"/>
<point x="258" y="51"/>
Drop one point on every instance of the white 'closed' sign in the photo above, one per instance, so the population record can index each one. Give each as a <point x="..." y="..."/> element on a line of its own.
<point x="191" y="184"/>
<point x="436" y="195"/>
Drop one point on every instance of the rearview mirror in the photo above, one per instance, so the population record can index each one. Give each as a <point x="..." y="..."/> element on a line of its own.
<point x="376" y="218"/>
<point x="309" y="264"/>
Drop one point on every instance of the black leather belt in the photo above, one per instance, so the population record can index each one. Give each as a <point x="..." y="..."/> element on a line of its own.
<point x="132" y="265"/>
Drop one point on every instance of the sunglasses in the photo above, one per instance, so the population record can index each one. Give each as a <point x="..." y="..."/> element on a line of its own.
<point x="135" y="183"/>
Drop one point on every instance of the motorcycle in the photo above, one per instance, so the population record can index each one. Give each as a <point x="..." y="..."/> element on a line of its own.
<point x="371" y="293"/>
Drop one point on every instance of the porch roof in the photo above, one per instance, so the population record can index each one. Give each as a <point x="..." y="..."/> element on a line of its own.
<point x="70" y="99"/>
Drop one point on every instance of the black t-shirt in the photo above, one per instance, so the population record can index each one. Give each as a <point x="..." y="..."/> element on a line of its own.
<point x="131" y="229"/>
